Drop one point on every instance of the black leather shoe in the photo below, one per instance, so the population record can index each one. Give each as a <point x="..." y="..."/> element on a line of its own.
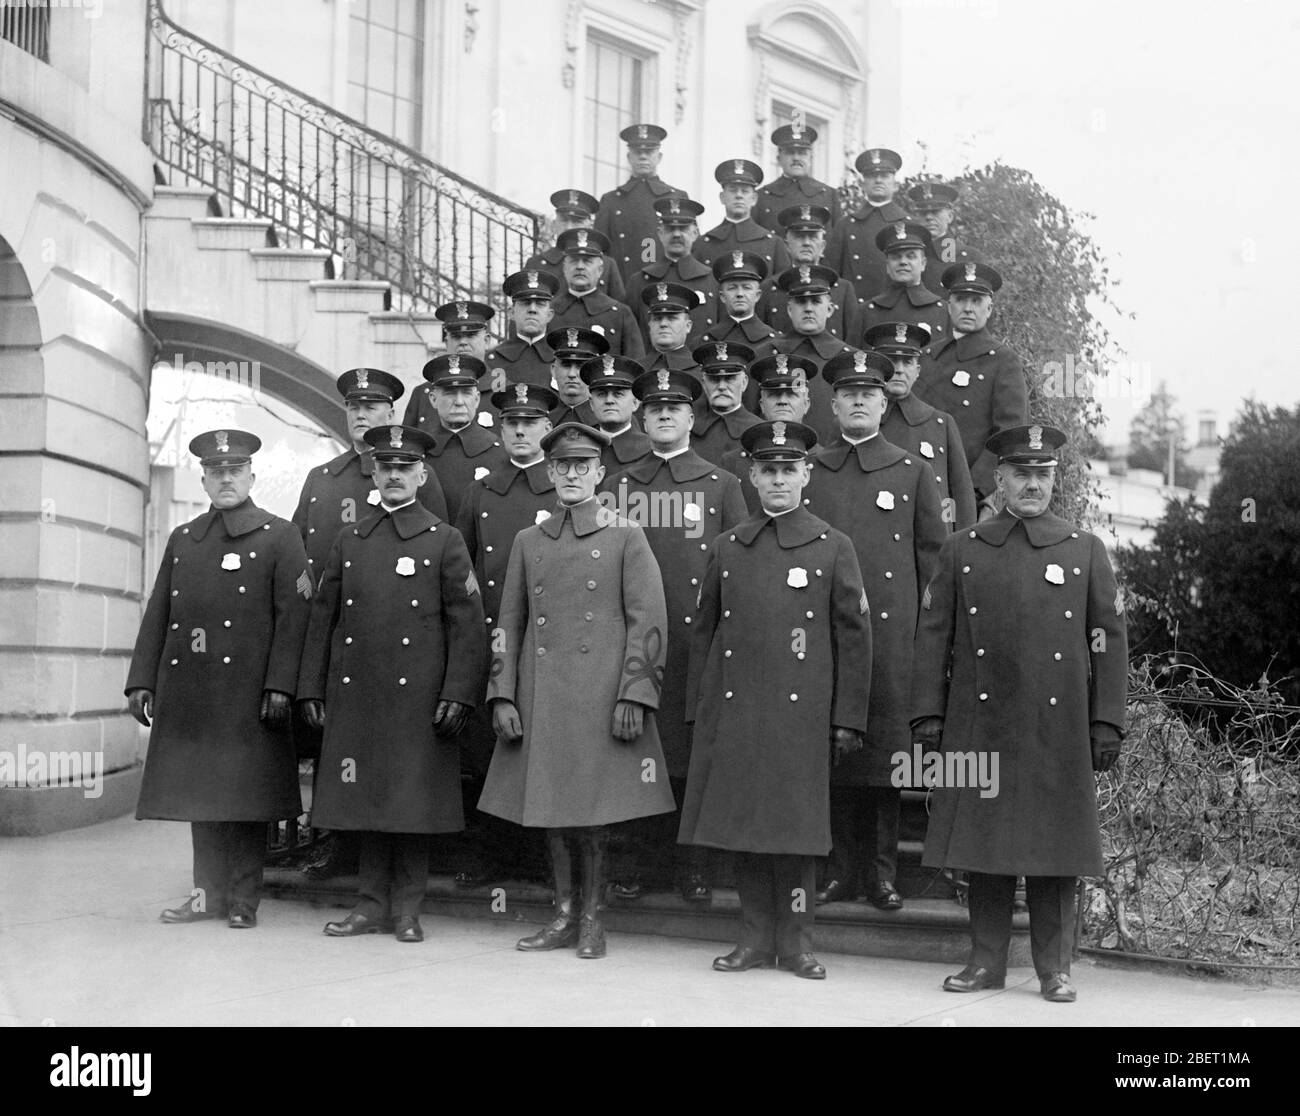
<point x="885" y="896"/>
<point x="558" y="935"/>
<point x="408" y="929"/>
<point x="187" y="913"/>
<point x="695" y="889"/>
<point x="591" y="938"/>
<point x="974" y="978"/>
<point x="835" y="891"/>
<point x="803" y="965"/>
<point x="626" y="890"/>
<point x="241" y="920"/>
<point x="1057" y="988"/>
<point x="357" y="924"/>
<point x="742" y="958"/>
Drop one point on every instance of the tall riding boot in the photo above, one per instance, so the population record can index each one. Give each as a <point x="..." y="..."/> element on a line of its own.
<point x="591" y="935"/>
<point x="563" y="930"/>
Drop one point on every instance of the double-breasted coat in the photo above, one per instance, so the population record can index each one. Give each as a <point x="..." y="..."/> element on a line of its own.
<point x="396" y="627"/>
<point x="628" y="219"/>
<point x="458" y="456"/>
<point x="780" y="653"/>
<point x="582" y="627"/>
<point x="742" y="236"/>
<point x="595" y="310"/>
<point x="908" y="304"/>
<point x="610" y="281"/>
<point x="225" y="621"/>
<point x="584" y="413"/>
<point x="1021" y="646"/>
<point x="851" y="247"/>
<point x="845" y="321"/>
<point x="341" y="493"/>
<point x="819" y="348"/>
<point x="885" y="501"/>
<point x="682" y="503"/>
<point x="687" y="272"/>
<point x="624" y="447"/>
<point x="714" y="436"/>
<point x="980" y="381"/>
<point x="516" y="361"/>
<point x="783" y="192"/>
<point x="913" y="425"/>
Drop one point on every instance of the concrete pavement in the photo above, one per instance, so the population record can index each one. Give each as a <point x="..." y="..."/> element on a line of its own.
<point x="81" y="945"/>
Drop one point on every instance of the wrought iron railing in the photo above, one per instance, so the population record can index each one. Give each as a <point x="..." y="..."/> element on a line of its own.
<point x="325" y="180"/>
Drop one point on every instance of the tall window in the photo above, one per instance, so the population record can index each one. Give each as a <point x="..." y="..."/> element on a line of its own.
<point x="616" y="76"/>
<point x="385" y="64"/>
<point x="26" y="24"/>
<point x="784" y="113"/>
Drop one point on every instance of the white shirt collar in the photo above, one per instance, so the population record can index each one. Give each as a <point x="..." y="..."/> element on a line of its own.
<point x="390" y="508"/>
<point x="673" y="453"/>
<point x="621" y="430"/>
<point x="857" y="441"/>
<point x="529" y="464"/>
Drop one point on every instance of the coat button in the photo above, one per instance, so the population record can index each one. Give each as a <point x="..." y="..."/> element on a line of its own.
<point x="704" y="546"/>
<point x="406" y="641"/>
<point x="175" y="560"/>
<point x="965" y="569"/>
<point x="176" y="592"/>
<point x="583" y="648"/>
<point x="809" y="615"/>
<point x="595" y="553"/>
<point x="590" y="585"/>
<point x="175" y="661"/>
<point x="426" y="561"/>
<point x="726" y="654"/>
<point x="1077" y="571"/>
<point x="726" y="612"/>
<point x="984" y="697"/>
<point x="888" y="574"/>
<point x="347" y="565"/>
<point x="727" y="694"/>
<point x="401" y="681"/>
<point x="696" y="581"/>
<point x="799" y="655"/>
<point x="487" y="548"/>
<point x="311" y="530"/>
<point x="484" y="515"/>
<point x="589" y="616"/>
<point x="1057" y="656"/>
<point x="1068" y="614"/>
<point x="965" y="402"/>
<point x="973" y="610"/>
<point x="541" y="621"/>
<point x="242" y="589"/>
<point x="884" y="616"/>
<point x="313" y="499"/>
<point x="348" y="640"/>
<point x="415" y="604"/>
<point x="541" y="650"/>
<point x="175" y="626"/>
<point x="1051" y="701"/>
<point x="724" y="574"/>
<point x="794" y="697"/>
<point x="538" y="591"/>
<point x="980" y="652"/>
<point x="897" y="537"/>
<point x="348" y="601"/>
<point x="252" y="553"/>
<point x="226" y="659"/>
<point x="687" y="619"/>
<point x="492" y="584"/>
<point x="346" y="680"/>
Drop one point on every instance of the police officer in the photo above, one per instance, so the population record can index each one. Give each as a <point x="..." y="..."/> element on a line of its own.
<point x="461" y="450"/>
<point x="576" y="209"/>
<point x="610" y="379"/>
<point x="783" y="396"/>
<point x="851" y="249"/>
<point x="885" y="500"/>
<point x="721" y="416"/>
<point x="583" y="304"/>
<point x="678" y="232"/>
<point x="904" y="299"/>
<point x="524" y="357"/>
<point x="805" y="238"/>
<point x="1021" y="673"/>
<point x="341" y="491"/>
<point x="808" y="303"/>
<point x="582" y="612"/>
<point x="780" y="651"/>
<point x="972" y="375"/>
<point x="913" y="425"/>
<point x="667" y="308"/>
<point x="795" y="186"/>
<point x="739" y="232"/>
<point x="464" y="329"/>
<point x="935" y="204"/>
<point x="626" y="215"/>
<point x="514" y="495"/>
<point x="573" y="348"/>
<point x="215" y="668"/>
<point x="681" y="501"/>
<point x="395" y="661"/>
<point x="740" y="276"/>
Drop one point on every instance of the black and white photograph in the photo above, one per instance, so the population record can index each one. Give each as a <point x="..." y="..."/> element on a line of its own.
<point x="797" y="501"/>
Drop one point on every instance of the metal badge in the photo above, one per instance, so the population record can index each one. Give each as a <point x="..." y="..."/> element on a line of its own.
<point x="800" y="378"/>
<point x="664" y="384"/>
<point x="782" y="364"/>
<point x="720" y="350"/>
<point x="778" y="433"/>
<point x="900" y="333"/>
<point x="970" y="273"/>
<point x="581" y="238"/>
<point x="875" y="158"/>
<point x="453" y="363"/>
<point x="737" y="259"/>
<point x="363" y="378"/>
<point x="674" y="206"/>
<point x="521" y="393"/>
<point x="608" y="361"/>
<point x="805" y="212"/>
<point x="859" y="362"/>
<point x="395" y="437"/>
<point x="642" y="132"/>
<point x="223" y="442"/>
<point x="571" y="336"/>
<point x="738" y="167"/>
<point x="805" y="273"/>
<point x="900" y="231"/>
<point x="532" y="280"/>
<point x="1035" y="437"/>
<point x="926" y="192"/>
<point x="573" y="197"/>
<point x="661" y="291"/>
<point x="462" y="310"/>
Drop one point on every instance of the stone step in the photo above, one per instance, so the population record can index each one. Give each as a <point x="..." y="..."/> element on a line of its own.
<point x="406" y="327"/>
<point x="351" y="296"/>
<point x="191" y="203"/>
<point x="290" y="265"/>
<point x="924" y="930"/>
<point x="231" y="234"/>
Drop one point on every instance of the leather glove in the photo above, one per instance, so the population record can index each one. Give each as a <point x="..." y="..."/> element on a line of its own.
<point x="928" y="732"/>
<point x="1106" y="745"/>
<point x="844" y="742"/>
<point x="313" y="712"/>
<point x="629" y="720"/>
<point x="277" y="711"/>
<point x="141" y="704"/>
<point x="449" y="718"/>
<point x="506" y="722"/>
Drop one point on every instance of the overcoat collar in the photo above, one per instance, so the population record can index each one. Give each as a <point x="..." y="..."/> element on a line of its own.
<point x="1042" y="530"/>
<point x="503" y="476"/>
<point x="824" y="344"/>
<point x="967" y="346"/>
<point x="346" y="458"/>
<point x="915" y="411"/>
<point x="688" y="267"/>
<point x="408" y="521"/>
<point x="631" y="445"/>
<point x="808" y="186"/>
<point x="890" y="211"/>
<point x="875" y="453"/>
<point x="237" y="521"/>
<point x="686" y="466"/>
<point x="736" y="421"/>
<point x="675" y="360"/>
<point x="752" y="329"/>
<point x="743" y="231"/>
<point x="588" y="517"/>
<point x="653" y="183"/>
<point x="473" y="438"/>
<point x="515" y="347"/>
<point x="594" y="301"/>
<point x="917" y="296"/>
<point x="794" y="529"/>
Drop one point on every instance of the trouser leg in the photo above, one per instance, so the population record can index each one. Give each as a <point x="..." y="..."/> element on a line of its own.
<point x="246" y="859"/>
<point x="848" y="807"/>
<point x="690" y="862"/>
<point x="409" y="861"/>
<point x="990" y="919"/>
<point x="1051" y="922"/>
<point x="884" y="808"/>
<point x="754" y="884"/>
<point x="376" y="871"/>
<point x="793" y="883"/>
<point x="211" y="870"/>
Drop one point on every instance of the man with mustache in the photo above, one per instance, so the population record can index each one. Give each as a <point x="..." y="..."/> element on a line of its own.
<point x="721" y="416"/>
<point x="851" y="249"/>
<point x="213" y="676"/>
<point x="576" y="209"/>
<point x="1021" y="656"/>
<point x="626" y="215"/>
<point x="581" y="303"/>
<point x="795" y="186"/>
<point x="464" y="332"/>
<point x="395" y="661"/>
